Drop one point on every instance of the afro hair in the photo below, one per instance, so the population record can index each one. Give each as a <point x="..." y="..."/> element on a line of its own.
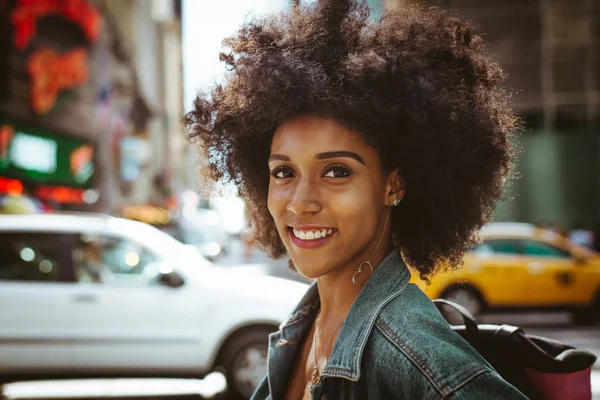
<point x="417" y="83"/>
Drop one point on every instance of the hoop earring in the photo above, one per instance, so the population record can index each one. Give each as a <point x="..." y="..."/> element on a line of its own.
<point x="359" y="271"/>
<point x="368" y="262"/>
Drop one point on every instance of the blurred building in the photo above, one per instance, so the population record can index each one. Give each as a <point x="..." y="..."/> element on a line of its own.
<point x="551" y="52"/>
<point x="91" y="103"/>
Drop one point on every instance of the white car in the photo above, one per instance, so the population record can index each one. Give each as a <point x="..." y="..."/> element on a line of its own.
<point x="205" y="231"/>
<point x="93" y="295"/>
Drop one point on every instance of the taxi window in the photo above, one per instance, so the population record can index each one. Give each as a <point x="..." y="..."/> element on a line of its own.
<point x="499" y="246"/>
<point x="540" y="249"/>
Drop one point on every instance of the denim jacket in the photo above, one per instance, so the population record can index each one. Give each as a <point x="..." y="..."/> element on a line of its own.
<point x="394" y="344"/>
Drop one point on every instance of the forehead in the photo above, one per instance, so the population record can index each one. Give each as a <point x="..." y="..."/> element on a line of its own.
<point x="316" y="134"/>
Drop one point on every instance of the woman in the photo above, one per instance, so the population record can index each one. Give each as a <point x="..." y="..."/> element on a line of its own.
<point x="358" y="146"/>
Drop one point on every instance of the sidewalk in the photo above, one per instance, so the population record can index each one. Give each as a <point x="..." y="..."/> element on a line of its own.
<point x="213" y="386"/>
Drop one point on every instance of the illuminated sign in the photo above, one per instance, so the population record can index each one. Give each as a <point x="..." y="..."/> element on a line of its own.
<point x="42" y="157"/>
<point x="10" y="186"/>
<point x="52" y="73"/>
<point x="80" y="12"/>
<point x="33" y="153"/>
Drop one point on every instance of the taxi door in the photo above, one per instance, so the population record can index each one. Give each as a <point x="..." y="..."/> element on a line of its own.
<point x="498" y="269"/>
<point x="555" y="276"/>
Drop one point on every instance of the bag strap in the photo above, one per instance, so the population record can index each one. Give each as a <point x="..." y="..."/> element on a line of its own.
<point x="471" y="328"/>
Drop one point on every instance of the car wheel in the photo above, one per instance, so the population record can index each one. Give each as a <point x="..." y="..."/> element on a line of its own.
<point x="588" y="316"/>
<point x="467" y="297"/>
<point x="244" y="357"/>
<point x="583" y="317"/>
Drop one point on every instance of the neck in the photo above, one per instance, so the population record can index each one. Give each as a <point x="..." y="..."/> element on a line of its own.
<point x="337" y="292"/>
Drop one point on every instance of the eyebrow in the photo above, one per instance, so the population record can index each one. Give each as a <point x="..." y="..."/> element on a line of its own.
<point x="323" y="156"/>
<point x="338" y="154"/>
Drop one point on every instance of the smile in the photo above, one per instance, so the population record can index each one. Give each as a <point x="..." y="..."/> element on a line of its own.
<point x="312" y="234"/>
<point x="310" y="238"/>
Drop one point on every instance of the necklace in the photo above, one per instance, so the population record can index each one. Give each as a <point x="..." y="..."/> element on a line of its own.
<point x="315" y="377"/>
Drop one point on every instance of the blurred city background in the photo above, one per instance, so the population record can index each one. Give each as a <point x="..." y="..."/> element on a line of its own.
<point x="92" y="94"/>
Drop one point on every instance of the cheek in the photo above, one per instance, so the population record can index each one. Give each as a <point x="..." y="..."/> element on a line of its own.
<point x="354" y="209"/>
<point x="354" y="205"/>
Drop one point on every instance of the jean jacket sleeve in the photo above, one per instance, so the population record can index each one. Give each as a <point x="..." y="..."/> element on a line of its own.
<point x="488" y="385"/>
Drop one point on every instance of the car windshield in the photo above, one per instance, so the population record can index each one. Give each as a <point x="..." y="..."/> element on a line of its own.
<point x="582" y="252"/>
<point x="194" y="236"/>
<point x="162" y="243"/>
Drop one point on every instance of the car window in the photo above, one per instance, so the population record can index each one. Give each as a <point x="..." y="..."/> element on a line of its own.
<point x="114" y="261"/>
<point x="499" y="246"/>
<point x="194" y="235"/>
<point x="33" y="257"/>
<point x="541" y="249"/>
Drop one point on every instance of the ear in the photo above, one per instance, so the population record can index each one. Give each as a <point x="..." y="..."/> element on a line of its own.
<point x="395" y="187"/>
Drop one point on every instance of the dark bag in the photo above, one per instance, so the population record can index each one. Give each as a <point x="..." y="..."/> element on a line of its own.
<point x="541" y="368"/>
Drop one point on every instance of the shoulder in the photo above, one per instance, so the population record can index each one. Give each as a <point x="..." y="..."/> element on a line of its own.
<point x="411" y="337"/>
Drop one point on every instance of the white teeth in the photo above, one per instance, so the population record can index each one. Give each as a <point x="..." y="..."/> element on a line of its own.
<point x="311" y="235"/>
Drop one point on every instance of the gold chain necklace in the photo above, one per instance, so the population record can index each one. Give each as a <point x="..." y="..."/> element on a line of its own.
<point x="315" y="377"/>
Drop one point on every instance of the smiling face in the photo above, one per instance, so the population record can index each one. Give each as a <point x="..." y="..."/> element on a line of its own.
<point x="327" y="195"/>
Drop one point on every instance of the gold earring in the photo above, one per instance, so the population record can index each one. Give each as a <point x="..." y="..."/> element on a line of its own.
<point x="368" y="262"/>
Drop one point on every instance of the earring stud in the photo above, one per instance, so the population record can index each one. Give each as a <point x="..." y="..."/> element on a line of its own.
<point x="396" y="202"/>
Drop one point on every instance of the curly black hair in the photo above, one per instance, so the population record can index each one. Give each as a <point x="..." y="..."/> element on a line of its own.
<point x="417" y="83"/>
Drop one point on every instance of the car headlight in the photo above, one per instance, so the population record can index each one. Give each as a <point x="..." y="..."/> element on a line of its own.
<point x="211" y="249"/>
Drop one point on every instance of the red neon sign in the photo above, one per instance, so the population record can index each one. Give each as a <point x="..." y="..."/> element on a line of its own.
<point x="10" y="186"/>
<point x="80" y="12"/>
<point x="52" y="73"/>
<point x="60" y="194"/>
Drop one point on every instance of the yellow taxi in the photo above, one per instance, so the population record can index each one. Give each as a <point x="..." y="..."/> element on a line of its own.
<point x="519" y="267"/>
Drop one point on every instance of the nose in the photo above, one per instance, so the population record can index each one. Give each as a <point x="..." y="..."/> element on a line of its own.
<point x="305" y="198"/>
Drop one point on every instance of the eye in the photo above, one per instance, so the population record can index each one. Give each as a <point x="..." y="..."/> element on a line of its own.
<point x="282" y="173"/>
<point x="337" y="171"/>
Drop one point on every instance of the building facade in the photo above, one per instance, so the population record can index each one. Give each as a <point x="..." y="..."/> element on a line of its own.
<point x="91" y="103"/>
<point x="550" y="50"/>
<point x="48" y="142"/>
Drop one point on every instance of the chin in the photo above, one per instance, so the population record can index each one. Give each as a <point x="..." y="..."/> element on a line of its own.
<point x="310" y="267"/>
<point x="309" y="273"/>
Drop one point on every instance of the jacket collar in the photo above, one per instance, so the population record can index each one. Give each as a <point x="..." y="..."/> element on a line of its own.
<point x="388" y="280"/>
<point x="284" y="344"/>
